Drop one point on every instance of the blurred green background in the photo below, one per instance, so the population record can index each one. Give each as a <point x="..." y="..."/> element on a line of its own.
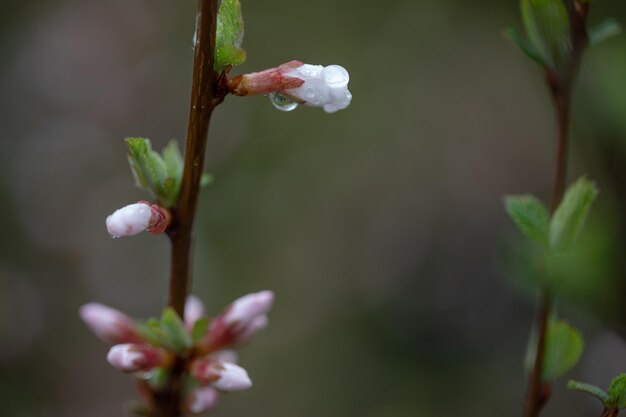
<point x="380" y="228"/>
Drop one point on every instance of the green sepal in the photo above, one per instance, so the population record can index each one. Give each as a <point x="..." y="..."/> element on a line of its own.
<point x="563" y="350"/>
<point x="200" y="329"/>
<point x="589" y="389"/>
<point x="523" y="44"/>
<point x="605" y="30"/>
<point x="530" y="216"/>
<point x="158" y="174"/>
<point x="547" y="25"/>
<point x="229" y="36"/>
<point x="569" y="218"/>
<point x="617" y="392"/>
<point x="174" y="327"/>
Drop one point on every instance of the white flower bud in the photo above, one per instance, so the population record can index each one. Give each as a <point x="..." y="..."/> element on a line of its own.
<point x="232" y="378"/>
<point x="129" y="220"/>
<point x="224" y="376"/>
<point x="134" y="358"/>
<point x="109" y="324"/>
<point x="296" y="83"/>
<point x="201" y="400"/>
<point x="325" y="87"/>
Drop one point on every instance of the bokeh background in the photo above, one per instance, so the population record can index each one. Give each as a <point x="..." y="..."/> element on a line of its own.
<point x="400" y="290"/>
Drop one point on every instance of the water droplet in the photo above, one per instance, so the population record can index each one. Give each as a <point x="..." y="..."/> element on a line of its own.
<point x="310" y="70"/>
<point x="282" y="102"/>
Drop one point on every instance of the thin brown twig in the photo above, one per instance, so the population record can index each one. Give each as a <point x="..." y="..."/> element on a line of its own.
<point x="204" y="98"/>
<point x="538" y="392"/>
<point x="167" y="402"/>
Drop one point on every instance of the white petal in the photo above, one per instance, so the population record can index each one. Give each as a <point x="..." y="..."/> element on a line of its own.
<point x="129" y="220"/>
<point x="232" y="378"/>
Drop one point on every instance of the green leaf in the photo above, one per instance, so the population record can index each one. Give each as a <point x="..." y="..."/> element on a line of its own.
<point x="229" y="36"/>
<point x="173" y="160"/>
<point x="523" y="44"/>
<point x="175" y="329"/>
<point x="174" y="166"/>
<point x="589" y="389"/>
<point x="548" y="28"/>
<point x="605" y="30"/>
<point x="148" y="167"/>
<point x="570" y="216"/>
<point x="617" y="392"/>
<point x="143" y="165"/>
<point x="530" y="216"/>
<point x="564" y="347"/>
<point x="200" y="329"/>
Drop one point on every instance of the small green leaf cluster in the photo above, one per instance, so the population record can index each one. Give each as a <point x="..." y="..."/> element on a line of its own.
<point x="169" y="332"/>
<point x="559" y="232"/>
<point x="614" y="399"/>
<point x="158" y="173"/>
<point x="548" y="39"/>
<point x="229" y="36"/>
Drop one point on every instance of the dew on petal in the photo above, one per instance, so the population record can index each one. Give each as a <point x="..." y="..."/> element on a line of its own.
<point x="335" y="76"/>
<point x="282" y="102"/>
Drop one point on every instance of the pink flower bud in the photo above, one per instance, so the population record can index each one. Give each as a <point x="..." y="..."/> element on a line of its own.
<point x="129" y="357"/>
<point x="135" y="218"/>
<point x="221" y="375"/>
<point x="245" y="309"/>
<point x="201" y="400"/>
<point x="194" y="310"/>
<point x="242" y="319"/>
<point x="253" y="327"/>
<point x="109" y="324"/>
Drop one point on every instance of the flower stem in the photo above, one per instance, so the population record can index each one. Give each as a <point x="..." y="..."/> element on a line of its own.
<point x="538" y="392"/>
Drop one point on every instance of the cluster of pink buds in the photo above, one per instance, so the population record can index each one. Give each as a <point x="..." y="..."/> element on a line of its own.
<point x="135" y="218"/>
<point x="209" y="359"/>
<point x="298" y="83"/>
